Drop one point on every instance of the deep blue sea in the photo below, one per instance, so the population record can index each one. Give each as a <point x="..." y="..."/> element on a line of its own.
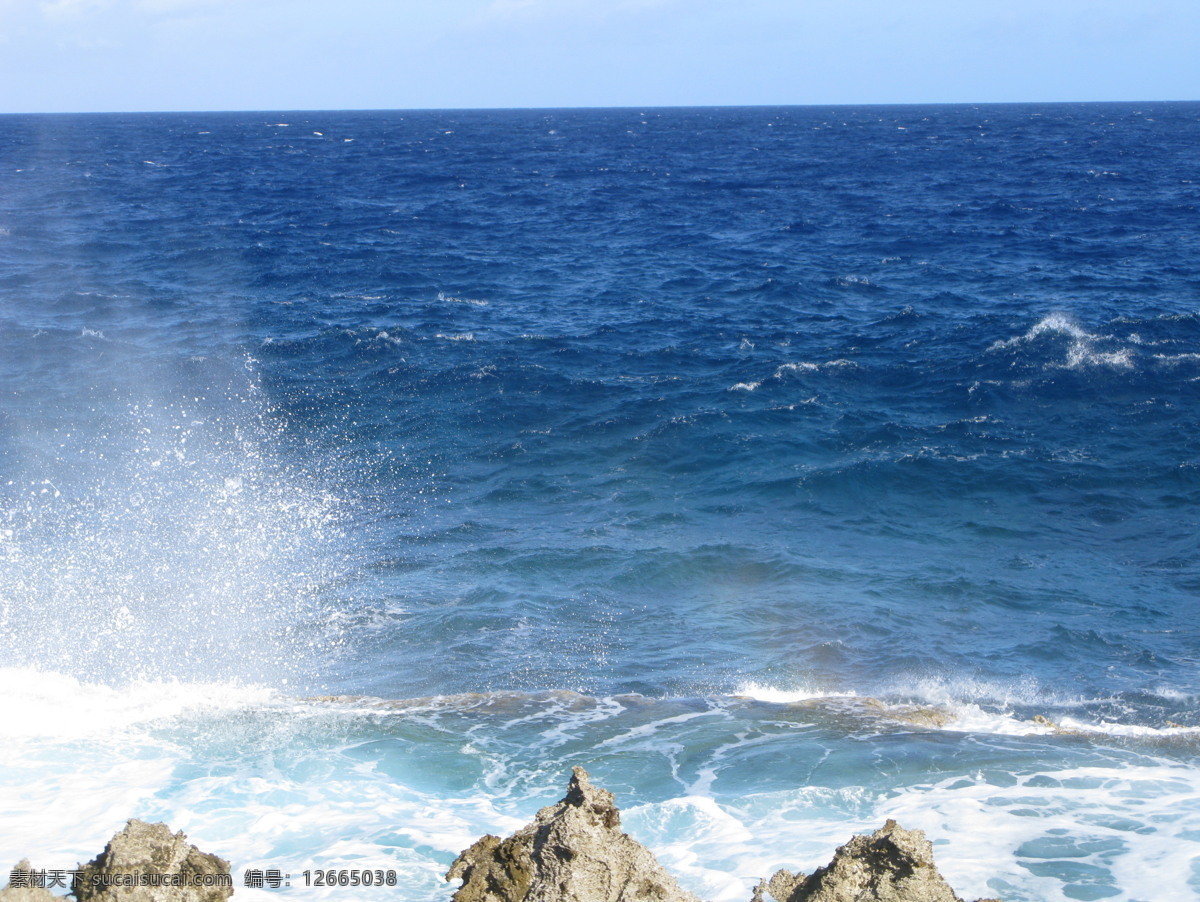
<point x="788" y="468"/>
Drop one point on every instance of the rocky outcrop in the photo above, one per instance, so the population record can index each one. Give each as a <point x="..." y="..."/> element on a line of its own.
<point x="21" y="888"/>
<point x="142" y="863"/>
<point x="148" y="863"/>
<point x="779" y="888"/>
<point x="574" y="851"/>
<point x="917" y="715"/>
<point x="890" y="865"/>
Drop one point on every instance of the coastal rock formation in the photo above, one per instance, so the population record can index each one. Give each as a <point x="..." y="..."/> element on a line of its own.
<point x="147" y="863"/>
<point x="890" y="865"/>
<point x="917" y="715"/>
<point x="574" y="851"/>
<point x="20" y="886"/>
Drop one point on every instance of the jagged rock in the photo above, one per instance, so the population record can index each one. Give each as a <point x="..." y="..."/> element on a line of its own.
<point x="780" y="887"/>
<point x="574" y="851"/>
<point x="24" y="891"/>
<point x="147" y="863"/>
<point x="890" y="865"/>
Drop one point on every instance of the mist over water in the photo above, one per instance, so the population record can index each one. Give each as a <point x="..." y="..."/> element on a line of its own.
<point x="151" y="530"/>
<point x="790" y="469"/>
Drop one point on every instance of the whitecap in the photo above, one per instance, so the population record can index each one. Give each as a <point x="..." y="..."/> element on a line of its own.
<point x="1082" y="355"/>
<point x="1108" y="728"/>
<point x="1081" y="349"/>
<point x="1054" y="324"/>
<point x="801" y="367"/>
<point x="475" y="302"/>
<point x="779" y="695"/>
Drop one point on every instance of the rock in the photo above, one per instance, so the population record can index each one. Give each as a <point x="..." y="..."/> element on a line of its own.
<point x="574" y="851"/>
<point x="1058" y="728"/>
<point x="780" y="887"/>
<point x="920" y="715"/>
<point x="147" y="863"/>
<point x="20" y="887"/>
<point x="890" y="865"/>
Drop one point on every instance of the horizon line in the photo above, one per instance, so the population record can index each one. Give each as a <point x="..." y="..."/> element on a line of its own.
<point x="497" y="109"/>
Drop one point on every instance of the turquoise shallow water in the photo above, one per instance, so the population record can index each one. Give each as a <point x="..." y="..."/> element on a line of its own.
<point x="364" y="471"/>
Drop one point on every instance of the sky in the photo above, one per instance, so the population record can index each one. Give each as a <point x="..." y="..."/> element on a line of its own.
<point x="135" y="55"/>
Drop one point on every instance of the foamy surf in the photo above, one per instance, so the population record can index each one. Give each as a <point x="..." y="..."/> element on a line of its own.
<point x="764" y="693"/>
<point x="267" y="780"/>
<point x="967" y="706"/>
<point x="46" y="705"/>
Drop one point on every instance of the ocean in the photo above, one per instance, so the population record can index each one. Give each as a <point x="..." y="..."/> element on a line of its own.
<point x="789" y="469"/>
